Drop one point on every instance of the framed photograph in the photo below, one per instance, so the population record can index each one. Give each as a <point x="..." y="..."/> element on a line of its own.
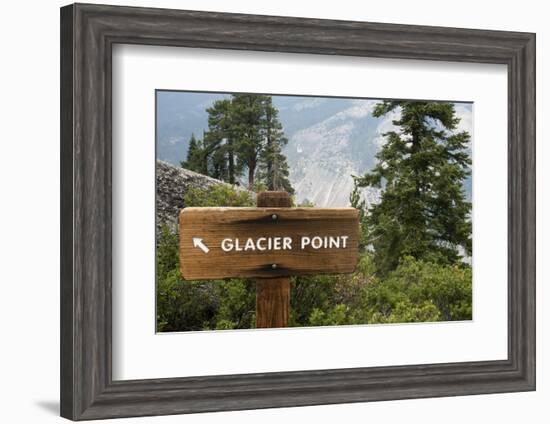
<point x="263" y="211"/>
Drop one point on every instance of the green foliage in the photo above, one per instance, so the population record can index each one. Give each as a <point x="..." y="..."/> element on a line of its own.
<point x="167" y="252"/>
<point x="314" y="298"/>
<point x="273" y="167"/>
<point x="338" y="315"/>
<point x="259" y="186"/>
<point x="180" y="307"/>
<point x="357" y="202"/>
<point x="217" y="195"/>
<point x="196" y="159"/>
<point x="419" y="291"/>
<point x="237" y="304"/>
<point x="306" y="204"/>
<point x="219" y="143"/>
<point x="198" y="305"/>
<point x="421" y="168"/>
<point x="177" y="309"/>
<point x="247" y="114"/>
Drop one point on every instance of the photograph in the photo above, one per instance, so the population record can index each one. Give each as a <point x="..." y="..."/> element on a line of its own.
<point x="402" y="167"/>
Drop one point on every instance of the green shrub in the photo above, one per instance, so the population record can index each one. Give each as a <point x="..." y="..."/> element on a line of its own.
<point x="419" y="291"/>
<point x="218" y="195"/>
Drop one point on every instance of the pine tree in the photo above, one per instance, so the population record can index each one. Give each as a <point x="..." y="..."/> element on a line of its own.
<point x="273" y="166"/>
<point x="196" y="157"/>
<point x="356" y="201"/>
<point x="219" y="141"/>
<point x="421" y="168"/>
<point x="247" y="113"/>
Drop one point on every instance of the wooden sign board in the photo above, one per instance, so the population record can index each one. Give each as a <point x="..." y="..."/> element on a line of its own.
<point x="267" y="242"/>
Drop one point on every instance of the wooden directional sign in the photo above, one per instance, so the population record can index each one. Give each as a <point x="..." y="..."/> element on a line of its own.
<point x="267" y="242"/>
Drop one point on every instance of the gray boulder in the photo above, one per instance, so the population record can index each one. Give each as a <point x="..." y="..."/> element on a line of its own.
<point x="172" y="184"/>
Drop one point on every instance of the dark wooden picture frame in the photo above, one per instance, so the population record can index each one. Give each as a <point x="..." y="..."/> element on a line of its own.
<point x="88" y="33"/>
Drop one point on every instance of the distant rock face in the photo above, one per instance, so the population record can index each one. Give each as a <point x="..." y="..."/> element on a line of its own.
<point x="172" y="184"/>
<point x="324" y="157"/>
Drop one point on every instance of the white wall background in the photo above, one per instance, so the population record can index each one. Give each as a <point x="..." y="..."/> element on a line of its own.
<point x="29" y="224"/>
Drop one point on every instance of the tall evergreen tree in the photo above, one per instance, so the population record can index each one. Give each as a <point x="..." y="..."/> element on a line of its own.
<point x="219" y="141"/>
<point x="421" y="168"/>
<point x="196" y="156"/>
<point x="273" y="166"/>
<point x="247" y="115"/>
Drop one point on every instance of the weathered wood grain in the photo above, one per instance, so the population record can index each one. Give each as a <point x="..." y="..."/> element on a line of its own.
<point x="272" y="302"/>
<point x="214" y="226"/>
<point x="273" y="199"/>
<point x="273" y="294"/>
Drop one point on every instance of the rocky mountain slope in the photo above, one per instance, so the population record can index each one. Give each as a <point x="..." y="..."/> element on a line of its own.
<point x="325" y="156"/>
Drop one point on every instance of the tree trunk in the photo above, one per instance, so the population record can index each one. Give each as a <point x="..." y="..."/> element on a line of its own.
<point x="251" y="172"/>
<point x="269" y="164"/>
<point x="231" y="159"/>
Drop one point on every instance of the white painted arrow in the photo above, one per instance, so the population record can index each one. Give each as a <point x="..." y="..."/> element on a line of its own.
<point x="197" y="242"/>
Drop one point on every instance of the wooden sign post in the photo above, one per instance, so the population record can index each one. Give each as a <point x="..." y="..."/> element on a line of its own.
<point x="273" y="294"/>
<point x="269" y="243"/>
